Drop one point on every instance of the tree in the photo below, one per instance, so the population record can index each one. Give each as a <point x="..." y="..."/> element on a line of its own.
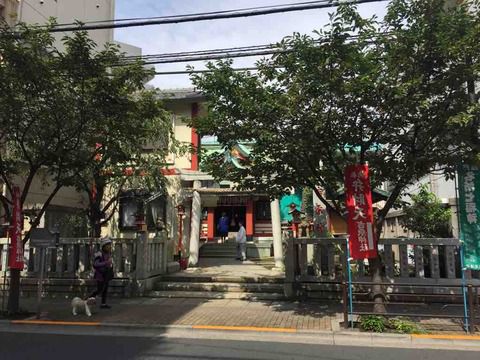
<point x="56" y="107"/>
<point x="126" y="117"/>
<point x="40" y="129"/>
<point x="426" y="216"/>
<point x="391" y="93"/>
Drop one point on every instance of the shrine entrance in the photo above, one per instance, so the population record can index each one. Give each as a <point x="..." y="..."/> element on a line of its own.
<point x="234" y="215"/>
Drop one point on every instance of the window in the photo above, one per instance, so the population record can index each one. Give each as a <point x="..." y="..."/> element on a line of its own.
<point x="156" y="212"/>
<point x="129" y="208"/>
<point x="262" y="210"/>
<point x="132" y="204"/>
<point x="391" y="224"/>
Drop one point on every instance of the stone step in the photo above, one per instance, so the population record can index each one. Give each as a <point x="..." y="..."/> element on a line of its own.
<point x="215" y="295"/>
<point x="219" y="255"/>
<point x="215" y="251"/>
<point x="220" y="287"/>
<point x="214" y="244"/>
<point x="221" y="279"/>
<point x="218" y="247"/>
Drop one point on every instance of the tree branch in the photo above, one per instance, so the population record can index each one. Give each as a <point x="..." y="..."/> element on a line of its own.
<point x="35" y="222"/>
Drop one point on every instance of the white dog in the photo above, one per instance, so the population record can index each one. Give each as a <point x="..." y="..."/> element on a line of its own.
<point x="81" y="304"/>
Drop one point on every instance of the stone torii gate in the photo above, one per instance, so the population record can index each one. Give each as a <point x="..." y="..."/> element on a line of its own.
<point x="195" y="226"/>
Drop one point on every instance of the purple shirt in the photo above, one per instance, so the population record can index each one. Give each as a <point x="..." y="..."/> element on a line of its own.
<point x="100" y="264"/>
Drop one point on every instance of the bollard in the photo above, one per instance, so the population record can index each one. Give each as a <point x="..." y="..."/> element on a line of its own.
<point x="471" y="309"/>
<point x="344" y="304"/>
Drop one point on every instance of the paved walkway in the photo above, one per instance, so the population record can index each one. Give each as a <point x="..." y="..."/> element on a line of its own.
<point x="225" y="267"/>
<point x="154" y="311"/>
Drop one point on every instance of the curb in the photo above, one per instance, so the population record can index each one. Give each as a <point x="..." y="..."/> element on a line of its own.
<point x="345" y="338"/>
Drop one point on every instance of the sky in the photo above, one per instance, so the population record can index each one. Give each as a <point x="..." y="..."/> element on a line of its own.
<point x="224" y="33"/>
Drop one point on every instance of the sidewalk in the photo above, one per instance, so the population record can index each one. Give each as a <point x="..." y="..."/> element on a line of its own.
<point x="162" y="312"/>
<point x="296" y="322"/>
<point x="199" y="312"/>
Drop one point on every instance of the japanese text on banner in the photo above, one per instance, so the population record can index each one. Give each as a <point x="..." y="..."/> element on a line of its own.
<point x="469" y="211"/>
<point x="359" y="212"/>
<point x="15" y="260"/>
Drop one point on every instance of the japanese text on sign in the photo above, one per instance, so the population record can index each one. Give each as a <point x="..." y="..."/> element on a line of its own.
<point x="360" y="212"/>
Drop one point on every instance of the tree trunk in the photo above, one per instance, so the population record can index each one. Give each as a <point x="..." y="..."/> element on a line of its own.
<point x="96" y="212"/>
<point x="375" y="264"/>
<point x="378" y="293"/>
<point x="14" y="292"/>
<point x="95" y="227"/>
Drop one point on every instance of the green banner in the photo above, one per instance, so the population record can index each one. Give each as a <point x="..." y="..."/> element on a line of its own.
<point x="469" y="214"/>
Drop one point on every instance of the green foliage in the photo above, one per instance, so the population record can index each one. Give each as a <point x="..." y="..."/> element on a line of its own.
<point x="307" y="203"/>
<point x="77" y="118"/>
<point x="394" y="96"/>
<point x="126" y="117"/>
<point x="373" y="323"/>
<point x="403" y="326"/>
<point x="42" y="135"/>
<point x="74" y="225"/>
<point x="426" y="216"/>
<point x="379" y="324"/>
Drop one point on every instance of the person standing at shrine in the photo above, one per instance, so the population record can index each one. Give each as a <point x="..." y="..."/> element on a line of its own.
<point x="241" y="240"/>
<point x="223" y="225"/>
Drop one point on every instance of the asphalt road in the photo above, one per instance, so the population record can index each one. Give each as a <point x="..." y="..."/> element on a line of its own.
<point x="51" y="346"/>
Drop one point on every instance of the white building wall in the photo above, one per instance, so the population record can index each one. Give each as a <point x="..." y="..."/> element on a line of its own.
<point x="69" y="11"/>
<point x="437" y="184"/>
<point x="8" y="11"/>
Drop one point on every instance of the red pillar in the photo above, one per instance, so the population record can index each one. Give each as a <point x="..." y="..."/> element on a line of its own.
<point x="249" y="218"/>
<point x="195" y="138"/>
<point x="211" y="224"/>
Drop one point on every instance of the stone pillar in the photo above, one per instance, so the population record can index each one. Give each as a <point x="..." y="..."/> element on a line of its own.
<point x="195" y="229"/>
<point x="277" y="233"/>
<point x="141" y="272"/>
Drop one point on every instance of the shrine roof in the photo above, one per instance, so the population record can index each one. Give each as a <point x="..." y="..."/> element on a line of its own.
<point x="180" y="94"/>
<point x="377" y="195"/>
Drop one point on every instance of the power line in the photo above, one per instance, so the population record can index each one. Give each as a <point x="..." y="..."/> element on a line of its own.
<point x="113" y="24"/>
<point x="201" y="52"/>
<point x="193" y="14"/>
<point x="214" y="54"/>
<point x="169" y="60"/>
<point x="180" y="72"/>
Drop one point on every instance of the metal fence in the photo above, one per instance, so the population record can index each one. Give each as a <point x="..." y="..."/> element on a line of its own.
<point x="413" y="271"/>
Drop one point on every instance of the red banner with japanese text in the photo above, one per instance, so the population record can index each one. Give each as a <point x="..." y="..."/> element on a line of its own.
<point x="359" y="212"/>
<point x="15" y="260"/>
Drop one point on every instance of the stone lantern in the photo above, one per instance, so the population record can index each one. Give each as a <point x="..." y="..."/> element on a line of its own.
<point x="296" y="218"/>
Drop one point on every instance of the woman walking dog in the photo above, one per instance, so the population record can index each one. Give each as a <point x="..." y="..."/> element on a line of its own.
<point x="103" y="270"/>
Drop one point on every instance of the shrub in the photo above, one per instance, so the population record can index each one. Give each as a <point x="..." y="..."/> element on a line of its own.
<point x="373" y="323"/>
<point x="404" y="326"/>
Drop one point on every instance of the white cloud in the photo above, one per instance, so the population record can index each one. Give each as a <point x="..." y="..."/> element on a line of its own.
<point x="257" y="30"/>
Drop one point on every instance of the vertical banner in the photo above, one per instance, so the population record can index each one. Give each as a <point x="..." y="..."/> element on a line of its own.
<point x="363" y="244"/>
<point x="16" y="245"/>
<point x="468" y="213"/>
